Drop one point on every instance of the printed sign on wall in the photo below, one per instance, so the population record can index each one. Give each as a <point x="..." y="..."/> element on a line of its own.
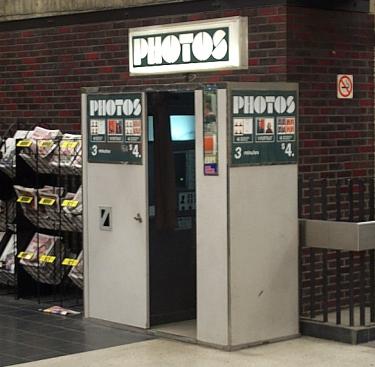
<point x="264" y="127"/>
<point x="191" y="46"/>
<point x="345" y="86"/>
<point x="115" y="128"/>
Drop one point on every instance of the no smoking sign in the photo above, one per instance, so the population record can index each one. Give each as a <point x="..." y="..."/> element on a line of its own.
<point x="345" y="86"/>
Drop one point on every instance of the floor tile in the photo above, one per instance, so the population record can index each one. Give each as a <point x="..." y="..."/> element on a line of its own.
<point x="27" y="335"/>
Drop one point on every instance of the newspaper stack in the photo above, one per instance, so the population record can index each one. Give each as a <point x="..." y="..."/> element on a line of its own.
<point x="42" y="143"/>
<point x="50" y="214"/>
<point x="7" y="213"/>
<point x="27" y="192"/>
<point x="42" y="271"/>
<point x="38" y="135"/>
<point x="7" y="261"/>
<point x="8" y="153"/>
<point x="76" y="273"/>
<point x="67" y="156"/>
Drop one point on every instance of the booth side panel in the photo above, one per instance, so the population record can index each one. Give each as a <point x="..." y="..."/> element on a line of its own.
<point x="264" y="253"/>
<point x="212" y="249"/>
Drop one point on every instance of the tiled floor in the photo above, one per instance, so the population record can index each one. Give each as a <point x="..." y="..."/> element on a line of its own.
<point x="306" y="352"/>
<point x="28" y="335"/>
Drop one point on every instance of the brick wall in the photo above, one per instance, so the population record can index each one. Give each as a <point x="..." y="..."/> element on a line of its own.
<point x="336" y="136"/>
<point x="42" y="70"/>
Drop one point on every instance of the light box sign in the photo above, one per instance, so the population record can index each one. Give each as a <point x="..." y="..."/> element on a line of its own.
<point x="115" y="128"/>
<point x="216" y="44"/>
<point x="264" y="127"/>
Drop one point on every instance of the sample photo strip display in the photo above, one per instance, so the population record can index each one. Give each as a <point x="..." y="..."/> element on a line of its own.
<point x="286" y="128"/>
<point x="115" y="129"/>
<point x="133" y="130"/>
<point x="265" y="129"/>
<point x="97" y="130"/>
<point x="243" y="130"/>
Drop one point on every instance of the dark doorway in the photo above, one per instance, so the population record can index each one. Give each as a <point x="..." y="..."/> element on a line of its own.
<point x="172" y="215"/>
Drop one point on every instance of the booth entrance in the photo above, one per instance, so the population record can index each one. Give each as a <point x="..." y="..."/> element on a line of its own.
<point x="172" y="210"/>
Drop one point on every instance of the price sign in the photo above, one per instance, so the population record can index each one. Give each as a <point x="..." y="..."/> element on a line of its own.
<point x="45" y="143"/>
<point x="115" y="135"/>
<point x="47" y="259"/>
<point x="47" y="201"/>
<point x="264" y="127"/>
<point x="70" y="203"/>
<point x="25" y="199"/>
<point x="68" y="144"/>
<point x="25" y="255"/>
<point x="70" y="262"/>
<point x="26" y="143"/>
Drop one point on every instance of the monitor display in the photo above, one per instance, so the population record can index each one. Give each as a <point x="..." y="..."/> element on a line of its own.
<point x="182" y="127"/>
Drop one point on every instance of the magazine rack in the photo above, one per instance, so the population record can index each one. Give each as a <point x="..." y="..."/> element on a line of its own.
<point x="53" y="216"/>
<point x="62" y="156"/>
<point x="35" y="164"/>
<point x="44" y="271"/>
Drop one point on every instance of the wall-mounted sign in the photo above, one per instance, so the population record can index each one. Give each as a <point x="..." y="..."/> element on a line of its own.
<point x="115" y="128"/>
<point x="345" y="86"/>
<point x="189" y="47"/>
<point x="264" y="127"/>
<point x="210" y="133"/>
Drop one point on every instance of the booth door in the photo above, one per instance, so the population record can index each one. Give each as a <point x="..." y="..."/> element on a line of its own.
<point x="116" y="258"/>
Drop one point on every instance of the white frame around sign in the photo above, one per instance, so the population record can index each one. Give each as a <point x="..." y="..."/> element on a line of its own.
<point x="339" y="93"/>
<point x="238" y="46"/>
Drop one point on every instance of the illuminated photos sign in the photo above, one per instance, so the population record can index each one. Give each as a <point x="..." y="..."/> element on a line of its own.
<point x="189" y="47"/>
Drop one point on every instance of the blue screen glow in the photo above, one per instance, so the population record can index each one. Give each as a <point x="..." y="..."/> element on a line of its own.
<point x="182" y="127"/>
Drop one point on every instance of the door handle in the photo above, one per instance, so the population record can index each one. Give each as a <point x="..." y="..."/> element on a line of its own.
<point x="138" y="218"/>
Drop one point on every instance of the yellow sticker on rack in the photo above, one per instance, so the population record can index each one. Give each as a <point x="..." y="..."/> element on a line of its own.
<point x="70" y="262"/>
<point x="47" y="201"/>
<point x="25" y="199"/>
<point x="47" y="259"/>
<point x="70" y="203"/>
<point x="26" y="143"/>
<point x="25" y="255"/>
<point x="68" y="144"/>
<point x="45" y="143"/>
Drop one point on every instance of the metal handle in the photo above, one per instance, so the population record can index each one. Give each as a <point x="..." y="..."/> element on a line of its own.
<point x="138" y="218"/>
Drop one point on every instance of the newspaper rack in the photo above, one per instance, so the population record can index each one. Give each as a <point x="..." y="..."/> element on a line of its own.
<point x="51" y="218"/>
<point x="47" y="272"/>
<point x="8" y="276"/>
<point x="62" y="158"/>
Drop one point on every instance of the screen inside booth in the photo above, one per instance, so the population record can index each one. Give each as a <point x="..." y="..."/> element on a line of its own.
<point x="182" y="127"/>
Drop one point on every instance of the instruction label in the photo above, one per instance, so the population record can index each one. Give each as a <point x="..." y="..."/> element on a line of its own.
<point x="115" y="128"/>
<point x="264" y="127"/>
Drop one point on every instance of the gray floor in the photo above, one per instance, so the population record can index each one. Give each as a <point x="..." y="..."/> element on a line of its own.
<point x="27" y="334"/>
